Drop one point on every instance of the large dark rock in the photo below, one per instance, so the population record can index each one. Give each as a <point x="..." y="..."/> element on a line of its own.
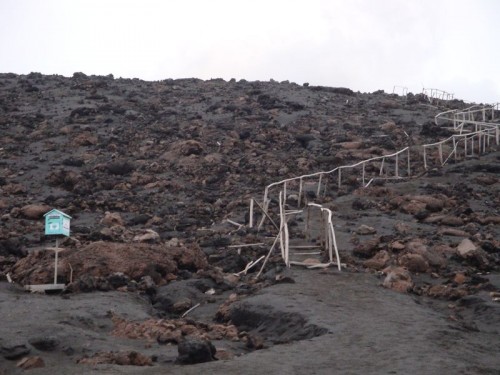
<point x="192" y="350"/>
<point x="44" y="343"/>
<point x="14" y="351"/>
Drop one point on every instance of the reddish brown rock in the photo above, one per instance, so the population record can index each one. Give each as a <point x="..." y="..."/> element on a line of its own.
<point x="182" y="305"/>
<point x="102" y="259"/>
<point x="396" y="246"/>
<point x="368" y="248"/>
<point x="85" y="139"/>
<point x="111" y="219"/>
<point x="412" y="207"/>
<point x="379" y="261"/>
<point x="365" y="229"/>
<point x="452" y="221"/>
<point x="452" y="232"/>
<point x="149" y="235"/>
<point x="125" y="358"/>
<point x="402" y="228"/>
<point x="465" y="247"/>
<point x="431" y="258"/>
<point x="490" y="220"/>
<point x="34" y="211"/>
<point x="414" y="263"/>
<point x="459" y="278"/>
<point x="13" y="189"/>
<point x="446" y="292"/>
<point x="398" y="279"/>
<point x="28" y="363"/>
<point x="224" y="354"/>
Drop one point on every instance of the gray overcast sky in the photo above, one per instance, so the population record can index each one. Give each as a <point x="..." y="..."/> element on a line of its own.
<point x="365" y="45"/>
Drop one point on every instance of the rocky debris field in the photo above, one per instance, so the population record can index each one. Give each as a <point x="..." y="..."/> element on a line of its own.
<point x="151" y="171"/>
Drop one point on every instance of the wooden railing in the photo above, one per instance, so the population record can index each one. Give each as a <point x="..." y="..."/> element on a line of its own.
<point x="483" y="136"/>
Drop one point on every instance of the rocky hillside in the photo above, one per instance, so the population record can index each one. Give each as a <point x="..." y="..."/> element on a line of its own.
<point x="151" y="171"/>
<point x="174" y="156"/>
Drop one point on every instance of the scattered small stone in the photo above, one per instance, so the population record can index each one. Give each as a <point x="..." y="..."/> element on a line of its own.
<point x="149" y="236"/>
<point x="110" y="219"/>
<point x="398" y="279"/>
<point x="465" y="247"/>
<point x="255" y="342"/>
<point x="126" y="358"/>
<point x="378" y="261"/>
<point x="365" y="229"/>
<point x="397" y="246"/>
<point x="34" y="211"/>
<point x="452" y="232"/>
<point x="368" y="248"/>
<point x="414" y="263"/>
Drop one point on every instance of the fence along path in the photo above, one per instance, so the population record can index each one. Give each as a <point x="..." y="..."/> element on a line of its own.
<point x="475" y="136"/>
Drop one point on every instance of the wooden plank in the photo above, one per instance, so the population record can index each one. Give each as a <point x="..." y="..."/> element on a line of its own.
<point x="44" y="287"/>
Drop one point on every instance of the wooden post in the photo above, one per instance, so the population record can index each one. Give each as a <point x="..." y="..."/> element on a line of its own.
<point x="409" y="167"/>
<point x="397" y="166"/>
<point x="454" y="148"/>
<point x="322" y="243"/>
<point x="335" y="246"/>
<point x="250" y="222"/>
<point x="363" y="175"/>
<point x="307" y="222"/>
<point x="325" y="229"/>
<point x="282" y="218"/>
<point x="56" y="251"/>
<point x="441" y="153"/>
<point x="382" y="167"/>
<point x="425" y="159"/>
<point x="330" y="244"/>
<point x="268" y="255"/>
<point x="284" y="193"/>
<point x="319" y="185"/>
<point x="287" y="241"/>
<point x="300" y="192"/>
<point x="264" y="207"/>
<point x="340" y="177"/>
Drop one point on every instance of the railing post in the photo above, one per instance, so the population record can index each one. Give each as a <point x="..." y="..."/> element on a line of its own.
<point x="282" y="223"/>
<point x="300" y="192"/>
<point x="425" y="159"/>
<point x="454" y="148"/>
<point x="284" y="193"/>
<point x="441" y="153"/>
<point x="319" y="185"/>
<point x="363" y="175"/>
<point x="409" y="167"/>
<point x="250" y="220"/>
<point x="381" y="167"/>
<point x="340" y="177"/>
<point x="397" y="166"/>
